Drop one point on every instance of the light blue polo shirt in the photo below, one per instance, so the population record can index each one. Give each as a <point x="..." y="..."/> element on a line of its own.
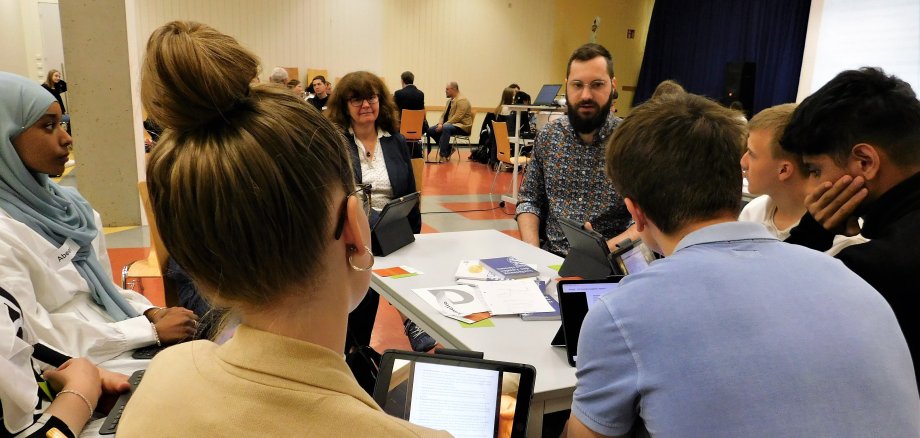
<point x="737" y="334"/>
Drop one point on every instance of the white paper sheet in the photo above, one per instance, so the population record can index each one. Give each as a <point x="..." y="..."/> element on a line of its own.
<point x="454" y="301"/>
<point x="512" y="297"/>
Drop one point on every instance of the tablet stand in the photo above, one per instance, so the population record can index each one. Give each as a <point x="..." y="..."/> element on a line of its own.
<point x="388" y="237"/>
<point x="579" y="264"/>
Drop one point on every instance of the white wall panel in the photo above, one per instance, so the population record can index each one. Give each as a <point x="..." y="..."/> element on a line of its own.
<point x="482" y="44"/>
<point x="324" y="34"/>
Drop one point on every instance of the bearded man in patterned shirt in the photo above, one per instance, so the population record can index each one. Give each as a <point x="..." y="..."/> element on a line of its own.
<point x="566" y="178"/>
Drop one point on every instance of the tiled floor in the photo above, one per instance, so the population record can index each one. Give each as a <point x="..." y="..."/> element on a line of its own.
<point x="455" y="197"/>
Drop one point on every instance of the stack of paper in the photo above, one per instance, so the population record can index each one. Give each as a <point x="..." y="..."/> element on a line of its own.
<point x="465" y="302"/>
<point x="460" y="302"/>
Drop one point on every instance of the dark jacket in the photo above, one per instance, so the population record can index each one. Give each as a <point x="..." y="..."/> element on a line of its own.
<point x="890" y="261"/>
<point x="410" y="98"/>
<point x="60" y="87"/>
<point x="399" y="169"/>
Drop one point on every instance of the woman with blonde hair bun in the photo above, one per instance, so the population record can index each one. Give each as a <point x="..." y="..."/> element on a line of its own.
<point x="254" y="196"/>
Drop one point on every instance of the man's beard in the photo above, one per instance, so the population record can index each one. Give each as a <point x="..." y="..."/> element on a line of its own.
<point x="587" y="125"/>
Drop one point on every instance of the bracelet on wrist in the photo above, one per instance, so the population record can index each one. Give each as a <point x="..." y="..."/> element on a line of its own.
<point x="85" y="400"/>
<point x="153" y="316"/>
<point x="156" y="335"/>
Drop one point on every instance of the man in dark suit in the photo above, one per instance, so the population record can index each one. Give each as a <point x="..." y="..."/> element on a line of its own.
<point x="411" y="98"/>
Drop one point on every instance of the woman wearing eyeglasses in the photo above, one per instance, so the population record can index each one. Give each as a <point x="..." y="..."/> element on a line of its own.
<point x="254" y="196"/>
<point x="364" y="109"/>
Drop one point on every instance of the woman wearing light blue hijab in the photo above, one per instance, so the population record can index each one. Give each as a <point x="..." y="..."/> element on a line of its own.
<point x="54" y="259"/>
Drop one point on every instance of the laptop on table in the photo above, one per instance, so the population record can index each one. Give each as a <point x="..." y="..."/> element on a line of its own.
<point x="547" y="95"/>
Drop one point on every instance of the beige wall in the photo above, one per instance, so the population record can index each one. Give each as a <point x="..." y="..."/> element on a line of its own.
<point x="13" y="57"/>
<point x="573" y="28"/>
<point x="484" y="45"/>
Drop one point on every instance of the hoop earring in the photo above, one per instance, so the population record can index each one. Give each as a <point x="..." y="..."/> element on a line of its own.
<point x="356" y="268"/>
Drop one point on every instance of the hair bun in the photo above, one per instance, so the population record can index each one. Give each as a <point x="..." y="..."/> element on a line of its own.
<point x="194" y="74"/>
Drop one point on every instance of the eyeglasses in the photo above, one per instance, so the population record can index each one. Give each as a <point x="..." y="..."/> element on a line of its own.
<point x="363" y="193"/>
<point x="594" y="86"/>
<point x="358" y="101"/>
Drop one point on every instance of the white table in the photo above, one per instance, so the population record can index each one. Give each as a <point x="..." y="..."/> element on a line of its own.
<point x="512" y="339"/>
<point x="518" y="142"/>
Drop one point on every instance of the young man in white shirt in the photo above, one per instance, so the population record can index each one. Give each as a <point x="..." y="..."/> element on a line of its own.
<point x="780" y="177"/>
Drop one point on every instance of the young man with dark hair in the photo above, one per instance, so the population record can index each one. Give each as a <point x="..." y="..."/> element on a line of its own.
<point x="859" y="136"/>
<point x="409" y="96"/>
<point x="320" y="92"/>
<point x="565" y="178"/>
<point x="734" y="333"/>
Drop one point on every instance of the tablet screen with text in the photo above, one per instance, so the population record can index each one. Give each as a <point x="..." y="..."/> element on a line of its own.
<point x="576" y="297"/>
<point x="466" y="397"/>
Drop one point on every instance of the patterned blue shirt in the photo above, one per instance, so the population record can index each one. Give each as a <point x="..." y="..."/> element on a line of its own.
<point x="567" y="178"/>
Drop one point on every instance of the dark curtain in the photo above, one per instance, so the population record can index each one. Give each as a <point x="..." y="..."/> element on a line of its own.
<point x="691" y="42"/>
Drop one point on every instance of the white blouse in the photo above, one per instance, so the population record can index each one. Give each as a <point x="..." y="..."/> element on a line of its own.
<point x="374" y="172"/>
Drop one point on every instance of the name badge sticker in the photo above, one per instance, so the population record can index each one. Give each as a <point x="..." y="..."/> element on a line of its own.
<point x="65" y="254"/>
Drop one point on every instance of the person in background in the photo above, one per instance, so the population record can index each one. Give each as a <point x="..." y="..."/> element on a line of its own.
<point x="279" y="76"/>
<point x="409" y="97"/>
<point x="456" y="120"/>
<point x="294" y="85"/>
<point x="290" y="259"/>
<point x="859" y="137"/>
<point x="363" y="109"/>
<point x="320" y="93"/>
<point x="54" y="250"/>
<point x="36" y="398"/>
<point x="56" y="85"/>
<point x="487" y="152"/>
<point x="668" y="87"/>
<point x="778" y="176"/>
<point x="565" y="178"/>
<point x="733" y="333"/>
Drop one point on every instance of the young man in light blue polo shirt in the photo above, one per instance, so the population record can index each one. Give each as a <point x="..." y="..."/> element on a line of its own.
<point x="734" y="333"/>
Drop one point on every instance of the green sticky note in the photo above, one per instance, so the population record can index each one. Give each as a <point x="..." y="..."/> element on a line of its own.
<point x="480" y="324"/>
<point x="555" y="267"/>
<point x="411" y="274"/>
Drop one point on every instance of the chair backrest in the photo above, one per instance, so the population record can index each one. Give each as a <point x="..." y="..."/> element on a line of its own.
<point x="158" y="253"/>
<point x="314" y="72"/>
<point x="418" y="171"/>
<point x="410" y="124"/>
<point x="293" y="72"/>
<point x="502" y="143"/>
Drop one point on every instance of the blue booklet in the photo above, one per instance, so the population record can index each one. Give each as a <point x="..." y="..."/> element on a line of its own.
<point x="509" y="268"/>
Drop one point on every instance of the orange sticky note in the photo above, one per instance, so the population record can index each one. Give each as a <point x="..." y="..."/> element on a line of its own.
<point x="389" y="272"/>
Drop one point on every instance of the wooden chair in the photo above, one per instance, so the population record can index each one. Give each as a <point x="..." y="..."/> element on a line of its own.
<point x="503" y="151"/>
<point x="418" y="171"/>
<point x="314" y="72"/>
<point x="457" y="138"/>
<point x="293" y="72"/>
<point x="410" y="126"/>
<point x="154" y="265"/>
